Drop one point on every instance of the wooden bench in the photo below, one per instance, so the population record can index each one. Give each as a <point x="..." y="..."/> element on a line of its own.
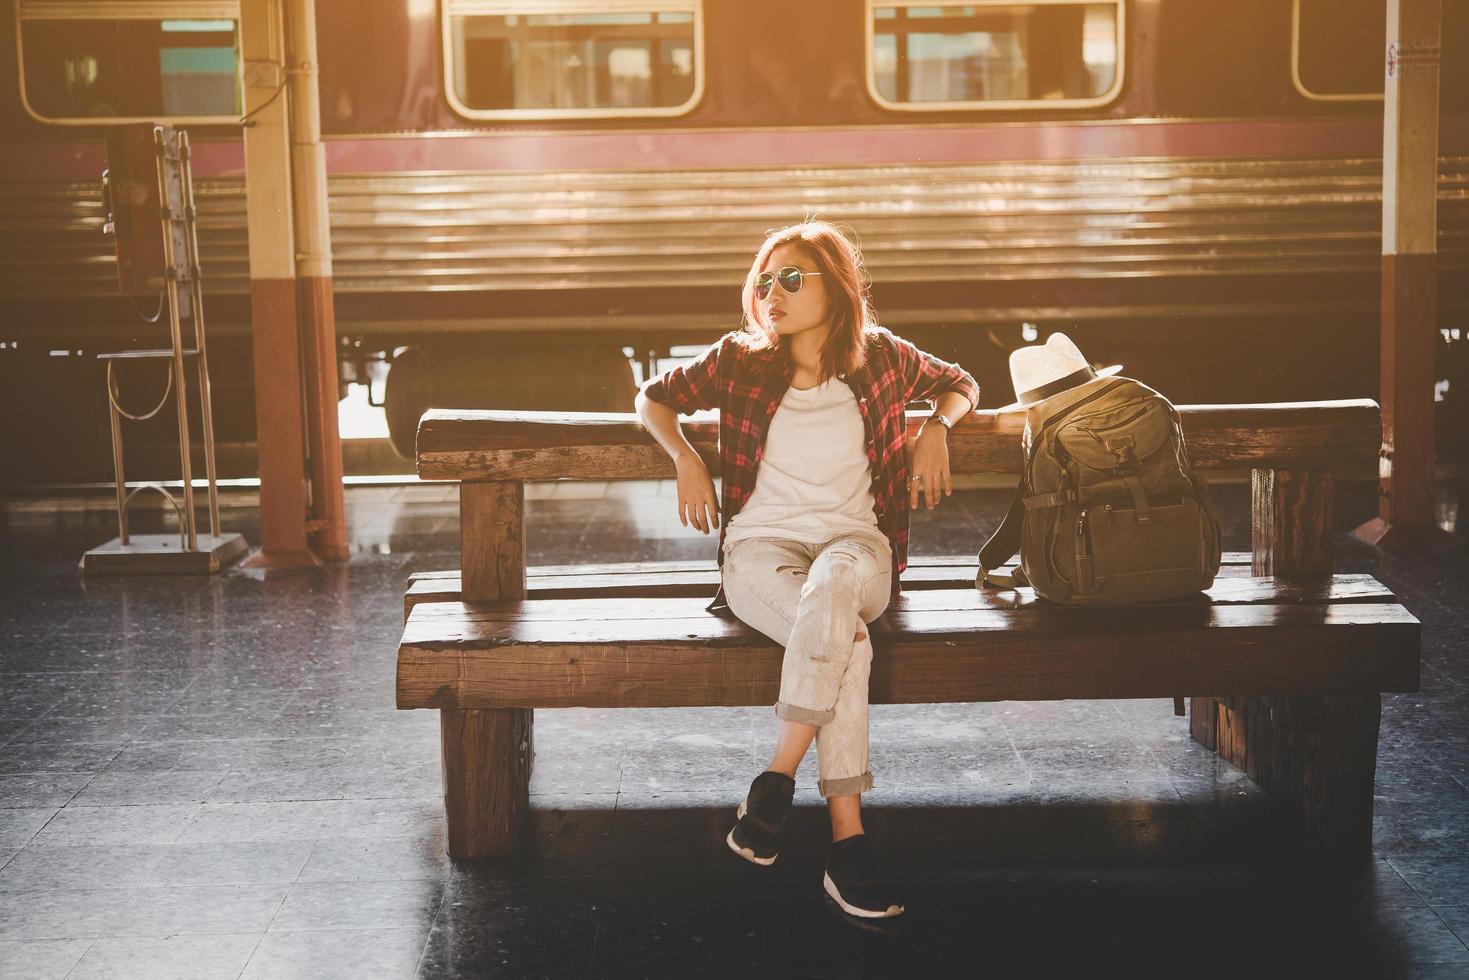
<point x="1285" y="662"/>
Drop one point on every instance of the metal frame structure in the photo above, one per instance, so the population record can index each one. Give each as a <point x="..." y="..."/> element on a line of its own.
<point x="154" y="553"/>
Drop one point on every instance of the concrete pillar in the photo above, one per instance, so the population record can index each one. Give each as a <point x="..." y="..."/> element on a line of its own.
<point x="1409" y="250"/>
<point x="314" y="284"/>
<point x="292" y="322"/>
<point x="279" y="408"/>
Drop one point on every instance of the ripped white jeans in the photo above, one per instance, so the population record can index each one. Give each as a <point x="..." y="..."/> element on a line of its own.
<point x="813" y="599"/>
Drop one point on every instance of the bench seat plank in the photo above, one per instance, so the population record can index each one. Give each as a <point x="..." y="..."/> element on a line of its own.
<point x="686" y="578"/>
<point x="935" y="566"/>
<point x="1233" y="585"/>
<point x="456" y="656"/>
<point x="708" y="565"/>
<point x="610" y="621"/>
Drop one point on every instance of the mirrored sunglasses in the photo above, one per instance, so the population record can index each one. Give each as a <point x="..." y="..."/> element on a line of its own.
<point x="790" y="279"/>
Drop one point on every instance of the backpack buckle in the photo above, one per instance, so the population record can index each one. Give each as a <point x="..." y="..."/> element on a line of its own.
<point x="1124" y="448"/>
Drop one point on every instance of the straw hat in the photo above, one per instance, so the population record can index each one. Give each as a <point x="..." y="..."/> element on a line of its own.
<point x="1043" y="370"/>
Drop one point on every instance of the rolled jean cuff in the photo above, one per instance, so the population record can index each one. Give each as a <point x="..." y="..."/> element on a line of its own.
<point x="803" y="716"/>
<point x="848" y="786"/>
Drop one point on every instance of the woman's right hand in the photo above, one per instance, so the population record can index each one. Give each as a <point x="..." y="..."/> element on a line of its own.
<point x="697" y="502"/>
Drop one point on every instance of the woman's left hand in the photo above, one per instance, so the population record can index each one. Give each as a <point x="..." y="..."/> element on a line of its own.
<point x="929" y="473"/>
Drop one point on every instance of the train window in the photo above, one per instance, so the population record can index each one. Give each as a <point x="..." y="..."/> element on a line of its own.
<point x="166" y="60"/>
<point x="1337" y="49"/>
<point x="994" y="54"/>
<point x="548" y="59"/>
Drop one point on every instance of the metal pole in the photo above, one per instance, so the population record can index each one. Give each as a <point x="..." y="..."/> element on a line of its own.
<point x="176" y="332"/>
<point x="117" y="470"/>
<point x="196" y="288"/>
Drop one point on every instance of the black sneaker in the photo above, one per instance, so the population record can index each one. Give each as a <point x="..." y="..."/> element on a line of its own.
<point x="762" y="818"/>
<point x="855" y="883"/>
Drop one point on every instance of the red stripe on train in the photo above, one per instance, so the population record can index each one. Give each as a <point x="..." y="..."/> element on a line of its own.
<point x="736" y="149"/>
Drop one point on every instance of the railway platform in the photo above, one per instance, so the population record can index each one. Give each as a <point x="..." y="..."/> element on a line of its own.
<point x="208" y="777"/>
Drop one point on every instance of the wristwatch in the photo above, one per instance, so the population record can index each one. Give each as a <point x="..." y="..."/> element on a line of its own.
<point x="943" y="420"/>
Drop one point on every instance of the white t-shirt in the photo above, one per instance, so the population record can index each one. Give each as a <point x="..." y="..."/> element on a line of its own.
<point x="814" y="480"/>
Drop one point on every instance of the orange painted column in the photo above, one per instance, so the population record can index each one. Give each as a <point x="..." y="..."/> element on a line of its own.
<point x="292" y="319"/>
<point x="314" y="275"/>
<point x="274" y="317"/>
<point x="1409" y="330"/>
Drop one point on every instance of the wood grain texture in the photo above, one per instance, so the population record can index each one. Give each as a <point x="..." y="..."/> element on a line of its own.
<point x="453" y="656"/>
<point x="1203" y="718"/>
<point x="1317" y="756"/>
<point x="1313" y="752"/>
<point x="1230" y="730"/>
<point x="487" y="759"/>
<point x="1234" y="584"/>
<point x="492" y="540"/>
<point x="594" y="571"/>
<point x="500" y="445"/>
<point x="1290" y="522"/>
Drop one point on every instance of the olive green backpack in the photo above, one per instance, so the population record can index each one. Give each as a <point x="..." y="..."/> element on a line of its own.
<point x="1108" y="510"/>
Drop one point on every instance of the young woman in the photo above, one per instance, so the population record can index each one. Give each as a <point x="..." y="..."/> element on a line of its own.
<point x="817" y="485"/>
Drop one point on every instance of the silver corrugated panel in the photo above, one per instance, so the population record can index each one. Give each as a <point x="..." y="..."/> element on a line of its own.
<point x="1132" y="218"/>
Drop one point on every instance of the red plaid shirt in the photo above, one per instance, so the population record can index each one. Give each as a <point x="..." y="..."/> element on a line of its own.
<point x="746" y="385"/>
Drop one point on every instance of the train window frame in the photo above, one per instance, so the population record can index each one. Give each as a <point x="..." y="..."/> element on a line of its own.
<point x="451" y="8"/>
<point x="54" y="10"/>
<point x="992" y="105"/>
<point x="1295" y="68"/>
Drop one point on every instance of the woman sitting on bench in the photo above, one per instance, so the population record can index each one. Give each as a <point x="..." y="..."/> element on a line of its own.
<point x="816" y="491"/>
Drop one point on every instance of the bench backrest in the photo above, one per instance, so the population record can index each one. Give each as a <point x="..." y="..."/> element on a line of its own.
<point x="1293" y="450"/>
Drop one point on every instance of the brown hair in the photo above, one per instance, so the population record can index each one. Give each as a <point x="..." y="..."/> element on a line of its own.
<point x="849" y="312"/>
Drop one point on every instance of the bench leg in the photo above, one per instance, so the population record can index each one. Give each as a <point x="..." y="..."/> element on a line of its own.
<point x="1315" y="755"/>
<point x="487" y="760"/>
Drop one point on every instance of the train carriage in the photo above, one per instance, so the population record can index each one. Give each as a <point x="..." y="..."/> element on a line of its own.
<point x="1190" y="187"/>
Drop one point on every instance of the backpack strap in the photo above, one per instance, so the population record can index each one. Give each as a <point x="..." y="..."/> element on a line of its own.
<point x="1049" y="499"/>
<point x="1001" y="547"/>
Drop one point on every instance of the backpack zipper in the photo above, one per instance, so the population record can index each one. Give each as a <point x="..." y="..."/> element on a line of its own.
<point x="1089" y="430"/>
<point x="1084" y="570"/>
<point x="1072" y="408"/>
<point x="1065" y="412"/>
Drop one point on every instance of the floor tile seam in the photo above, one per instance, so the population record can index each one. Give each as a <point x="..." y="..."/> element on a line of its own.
<point x="1463" y="940"/>
<point x="1130" y="723"/>
<point x="616" y="802"/>
<point x="1393" y="862"/>
<point x="261" y="938"/>
<point x="1161" y="763"/>
<point x="1010" y="737"/>
<point x="72" y="972"/>
<point x="48" y="713"/>
<point x="16" y="738"/>
<point x="258" y="940"/>
<point x="78" y="807"/>
<point x="41" y="828"/>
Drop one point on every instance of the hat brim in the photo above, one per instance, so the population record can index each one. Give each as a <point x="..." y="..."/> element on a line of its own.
<point x="1105" y="372"/>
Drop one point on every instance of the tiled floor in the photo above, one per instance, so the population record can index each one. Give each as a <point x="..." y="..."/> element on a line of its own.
<point x="204" y="778"/>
